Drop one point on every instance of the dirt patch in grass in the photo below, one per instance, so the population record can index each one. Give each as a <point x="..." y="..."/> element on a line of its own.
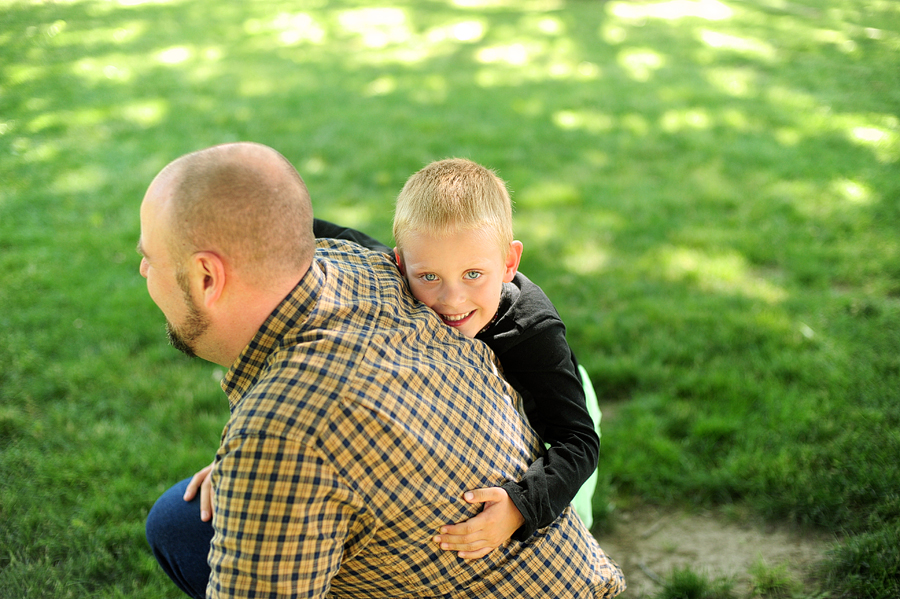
<point x="649" y="543"/>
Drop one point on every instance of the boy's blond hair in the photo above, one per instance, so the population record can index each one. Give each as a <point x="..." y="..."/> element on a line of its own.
<point x="453" y="195"/>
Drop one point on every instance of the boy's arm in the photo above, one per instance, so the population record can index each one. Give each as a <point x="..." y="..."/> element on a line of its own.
<point x="542" y="365"/>
<point x="325" y="229"/>
<point x="540" y="360"/>
<point x="529" y="340"/>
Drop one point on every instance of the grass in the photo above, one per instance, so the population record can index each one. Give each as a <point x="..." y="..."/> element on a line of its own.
<point x="685" y="583"/>
<point x="774" y="582"/>
<point x="708" y="190"/>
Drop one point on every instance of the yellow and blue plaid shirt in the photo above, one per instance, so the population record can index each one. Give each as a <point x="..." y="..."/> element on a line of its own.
<point x="357" y="422"/>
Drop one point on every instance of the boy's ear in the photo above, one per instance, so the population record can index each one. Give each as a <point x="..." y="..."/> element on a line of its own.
<point x="399" y="262"/>
<point x="207" y="277"/>
<point x="513" y="256"/>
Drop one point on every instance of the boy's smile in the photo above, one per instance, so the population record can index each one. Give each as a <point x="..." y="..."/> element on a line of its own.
<point x="459" y="275"/>
<point x="456" y="319"/>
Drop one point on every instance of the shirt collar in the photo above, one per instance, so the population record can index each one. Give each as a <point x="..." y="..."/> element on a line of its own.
<point x="290" y="314"/>
<point x="502" y="309"/>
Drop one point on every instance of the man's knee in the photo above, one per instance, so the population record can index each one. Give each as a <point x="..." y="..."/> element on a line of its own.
<point x="169" y="515"/>
<point x="180" y="539"/>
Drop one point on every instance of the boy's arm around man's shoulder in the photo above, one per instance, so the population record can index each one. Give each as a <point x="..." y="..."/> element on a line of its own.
<point x="538" y="361"/>
<point x="329" y="230"/>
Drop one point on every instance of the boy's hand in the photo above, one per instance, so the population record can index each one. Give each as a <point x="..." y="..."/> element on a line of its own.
<point x="203" y="481"/>
<point x="480" y="535"/>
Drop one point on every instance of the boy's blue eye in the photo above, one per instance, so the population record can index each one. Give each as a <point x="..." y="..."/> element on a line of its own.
<point x="472" y="275"/>
<point x="430" y="277"/>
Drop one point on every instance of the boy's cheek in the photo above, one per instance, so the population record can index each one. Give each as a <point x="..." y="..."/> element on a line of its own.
<point x="422" y="296"/>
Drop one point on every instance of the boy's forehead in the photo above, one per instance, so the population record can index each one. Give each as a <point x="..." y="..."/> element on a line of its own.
<point x="479" y="243"/>
<point x="482" y="235"/>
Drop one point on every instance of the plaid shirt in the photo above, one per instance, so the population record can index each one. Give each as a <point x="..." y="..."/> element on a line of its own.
<point x="357" y="422"/>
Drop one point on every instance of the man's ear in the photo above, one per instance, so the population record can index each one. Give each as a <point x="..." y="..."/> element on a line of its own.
<point x="207" y="272"/>
<point x="399" y="262"/>
<point x="513" y="256"/>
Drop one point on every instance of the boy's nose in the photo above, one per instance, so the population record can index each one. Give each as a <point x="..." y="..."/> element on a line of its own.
<point x="453" y="295"/>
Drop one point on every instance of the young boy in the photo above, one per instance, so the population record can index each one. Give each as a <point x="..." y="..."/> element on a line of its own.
<point x="455" y="246"/>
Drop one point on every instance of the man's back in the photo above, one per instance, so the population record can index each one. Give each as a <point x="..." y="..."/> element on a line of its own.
<point x="358" y="421"/>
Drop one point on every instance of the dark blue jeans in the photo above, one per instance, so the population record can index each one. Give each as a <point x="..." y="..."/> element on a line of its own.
<point x="180" y="540"/>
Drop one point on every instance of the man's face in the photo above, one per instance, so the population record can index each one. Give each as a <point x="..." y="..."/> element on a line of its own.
<point x="166" y="282"/>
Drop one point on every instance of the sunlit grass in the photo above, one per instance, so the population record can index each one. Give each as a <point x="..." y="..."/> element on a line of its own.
<point x="707" y="189"/>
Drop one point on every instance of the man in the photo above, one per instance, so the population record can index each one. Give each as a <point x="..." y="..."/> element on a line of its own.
<point x="358" y="419"/>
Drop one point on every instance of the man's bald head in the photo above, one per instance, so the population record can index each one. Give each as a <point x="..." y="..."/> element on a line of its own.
<point x="245" y="202"/>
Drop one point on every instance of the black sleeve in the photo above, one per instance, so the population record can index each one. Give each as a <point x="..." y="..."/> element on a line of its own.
<point x="542" y="368"/>
<point x="325" y="229"/>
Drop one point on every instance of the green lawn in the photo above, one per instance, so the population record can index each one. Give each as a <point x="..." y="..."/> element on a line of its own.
<point x="709" y="190"/>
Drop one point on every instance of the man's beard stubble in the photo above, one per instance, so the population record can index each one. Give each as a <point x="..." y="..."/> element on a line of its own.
<point x="183" y="338"/>
<point x="179" y="341"/>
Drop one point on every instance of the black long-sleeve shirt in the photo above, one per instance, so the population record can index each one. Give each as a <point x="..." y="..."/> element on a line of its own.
<point x="529" y="340"/>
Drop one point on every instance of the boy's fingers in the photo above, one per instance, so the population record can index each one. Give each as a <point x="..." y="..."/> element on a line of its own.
<point x="458" y="540"/>
<point x="463" y="528"/>
<point x="484" y="495"/>
<point x="475" y="545"/>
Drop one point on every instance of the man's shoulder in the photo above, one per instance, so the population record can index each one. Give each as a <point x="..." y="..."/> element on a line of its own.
<point x="293" y="391"/>
<point x="368" y="271"/>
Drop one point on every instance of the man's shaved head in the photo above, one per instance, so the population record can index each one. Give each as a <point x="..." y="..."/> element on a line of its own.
<point x="243" y="201"/>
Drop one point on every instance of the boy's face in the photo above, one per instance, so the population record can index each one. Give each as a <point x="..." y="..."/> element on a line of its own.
<point x="459" y="275"/>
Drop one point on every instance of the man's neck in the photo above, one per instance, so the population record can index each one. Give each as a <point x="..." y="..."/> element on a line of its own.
<point x="239" y="320"/>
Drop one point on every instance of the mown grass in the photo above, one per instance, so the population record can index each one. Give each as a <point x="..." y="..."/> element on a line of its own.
<point x="708" y="190"/>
